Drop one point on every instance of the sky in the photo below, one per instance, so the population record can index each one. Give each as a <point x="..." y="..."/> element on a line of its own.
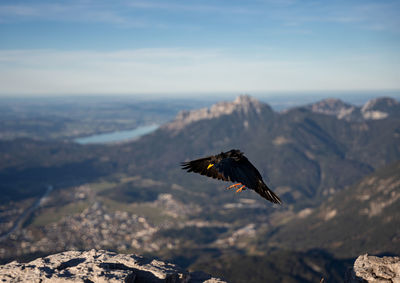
<point x="158" y="47"/>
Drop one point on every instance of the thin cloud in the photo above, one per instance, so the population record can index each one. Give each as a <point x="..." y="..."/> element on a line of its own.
<point x="178" y="7"/>
<point x="377" y="16"/>
<point x="18" y="10"/>
<point x="179" y="70"/>
<point x="381" y="16"/>
<point x="75" y="11"/>
<point x="118" y="13"/>
<point x="140" y="14"/>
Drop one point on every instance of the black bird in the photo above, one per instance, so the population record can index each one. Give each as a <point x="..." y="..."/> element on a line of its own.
<point x="232" y="166"/>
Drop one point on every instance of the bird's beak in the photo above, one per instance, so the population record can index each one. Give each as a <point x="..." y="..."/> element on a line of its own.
<point x="209" y="166"/>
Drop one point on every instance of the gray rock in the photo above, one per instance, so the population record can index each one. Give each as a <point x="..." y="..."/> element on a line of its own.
<point x="374" y="269"/>
<point x="374" y="109"/>
<point x="99" y="266"/>
<point x="244" y="104"/>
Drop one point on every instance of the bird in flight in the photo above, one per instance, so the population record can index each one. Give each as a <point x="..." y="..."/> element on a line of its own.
<point x="232" y="166"/>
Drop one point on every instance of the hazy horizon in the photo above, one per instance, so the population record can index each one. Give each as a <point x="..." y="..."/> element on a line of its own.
<point x="278" y="101"/>
<point x="395" y="93"/>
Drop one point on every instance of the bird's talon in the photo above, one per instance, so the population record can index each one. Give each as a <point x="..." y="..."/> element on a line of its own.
<point x="240" y="189"/>
<point x="233" y="186"/>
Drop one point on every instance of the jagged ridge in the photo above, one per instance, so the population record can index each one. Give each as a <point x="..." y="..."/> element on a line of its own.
<point x="243" y="103"/>
<point x="374" y="109"/>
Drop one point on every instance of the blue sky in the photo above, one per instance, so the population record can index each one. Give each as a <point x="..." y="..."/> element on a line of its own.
<point x="193" y="46"/>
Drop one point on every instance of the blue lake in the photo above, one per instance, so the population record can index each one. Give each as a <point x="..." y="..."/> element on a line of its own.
<point x="118" y="136"/>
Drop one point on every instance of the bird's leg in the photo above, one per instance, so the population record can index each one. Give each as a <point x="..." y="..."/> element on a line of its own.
<point x="234" y="185"/>
<point x="240" y="189"/>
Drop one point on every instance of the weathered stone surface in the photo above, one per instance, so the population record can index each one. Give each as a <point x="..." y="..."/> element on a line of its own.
<point x="242" y="104"/>
<point x="374" y="269"/>
<point x="99" y="266"/>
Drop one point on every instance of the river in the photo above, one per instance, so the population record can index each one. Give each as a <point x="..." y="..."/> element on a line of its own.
<point x="18" y="223"/>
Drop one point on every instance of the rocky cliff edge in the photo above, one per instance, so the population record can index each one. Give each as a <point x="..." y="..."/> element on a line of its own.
<point x="103" y="266"/>
<point x="99" y="266"/>
<point x="374" y="269"/>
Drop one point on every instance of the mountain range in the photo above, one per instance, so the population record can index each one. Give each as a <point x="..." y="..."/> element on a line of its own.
<point x="333" y="164"/>
<point x="320" y="152"/>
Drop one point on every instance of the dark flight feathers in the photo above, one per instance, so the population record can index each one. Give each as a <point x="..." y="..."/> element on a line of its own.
<point x="232" y="166"/>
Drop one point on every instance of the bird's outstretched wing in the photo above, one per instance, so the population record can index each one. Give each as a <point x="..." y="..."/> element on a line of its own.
<point x="201" y="166"/>
<point x="233" y="169"/>
<point x="244" y="172"/>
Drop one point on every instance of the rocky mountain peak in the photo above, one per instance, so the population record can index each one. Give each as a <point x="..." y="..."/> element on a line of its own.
<point x="246" y="100"/>
<point x="374" y="109"/>
<point x="380" y="103"/>
<point x="329" y="104"/>
<point x="380" y="108"/>
<point x="333" y="106"/>
<point x="242" y="104"/>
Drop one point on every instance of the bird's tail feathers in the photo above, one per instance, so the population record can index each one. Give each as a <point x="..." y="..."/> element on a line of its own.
<point x="265" y="192"/>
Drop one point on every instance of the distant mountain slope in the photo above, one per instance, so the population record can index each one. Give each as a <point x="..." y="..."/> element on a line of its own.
<point x="381" y="108"/>
<point x="301" y="153"/>
<point x="28" y="166"/>
<point x="363" y="218"/>
<point x="336" y="107"/>
<point x="374" y="109"/>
